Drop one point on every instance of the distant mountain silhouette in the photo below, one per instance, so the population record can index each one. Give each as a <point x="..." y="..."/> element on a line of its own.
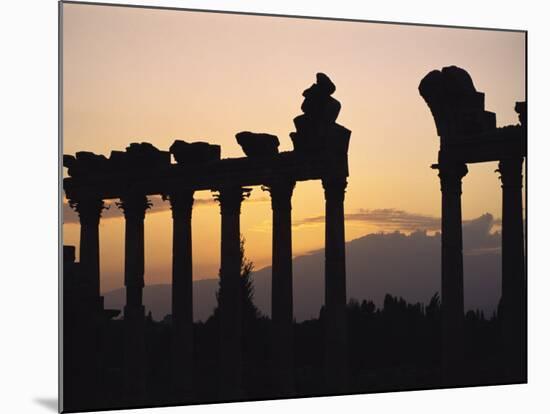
<point x="395" y="263"/>
<point x="158" y="299"/>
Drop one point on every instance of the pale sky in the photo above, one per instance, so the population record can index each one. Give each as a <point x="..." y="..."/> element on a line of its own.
<point x="158" y="75"/>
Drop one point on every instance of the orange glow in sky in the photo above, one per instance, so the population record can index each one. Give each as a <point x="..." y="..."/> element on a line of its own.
<point x="133" y="74"/>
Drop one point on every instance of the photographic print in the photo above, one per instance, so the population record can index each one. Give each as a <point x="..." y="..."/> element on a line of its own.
<point x="259" y="207"/>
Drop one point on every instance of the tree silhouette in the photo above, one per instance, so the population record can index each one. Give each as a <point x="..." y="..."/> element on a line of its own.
<point x="249" y="309"/>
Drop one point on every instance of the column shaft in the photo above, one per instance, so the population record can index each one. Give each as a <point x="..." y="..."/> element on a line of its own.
<point x="89" y="211"/>
<point x="281" y="290"/>
<point x="84" y="332"/>
<point x="452" y="269"/>
<point x="182" y="293"/>
<point x="230" y="295"/>
<point x="336" y="361"/>
<point x="134" y="375"/>
<point x="514" y="289"/>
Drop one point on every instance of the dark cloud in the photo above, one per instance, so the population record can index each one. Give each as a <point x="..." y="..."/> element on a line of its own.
<point x="389" y="219"/>
<point x="477" y="234"/>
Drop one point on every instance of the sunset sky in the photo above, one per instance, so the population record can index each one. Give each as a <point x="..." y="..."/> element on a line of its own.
<point x="133" y="75"/>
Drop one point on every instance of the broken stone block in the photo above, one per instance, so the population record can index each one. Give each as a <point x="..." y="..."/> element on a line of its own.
<point x="323" y="87"/>
<point x="315" y="128"/>
<point x="325" y="84"/>
<point x="68" y="254"/>
<point x="68" y="160"/>
<point x="189" y="153"/>
<point x="258" y="144"/>
<point x="146" y="155"/>
<point x="337" y="138"/>
<point x="118" y="161"/>
<point x="84" y="163"/>
<point x="521" y="110"/>
<point x="457" y="107"/>
<point x="324" y="110"/>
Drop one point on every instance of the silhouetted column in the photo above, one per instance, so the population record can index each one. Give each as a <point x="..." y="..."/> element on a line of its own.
<point x="230" y="298"/>
<point x="89" y="211"/>
<point x="513" y="301"/>
<point x="134" y="207"/>
<point x="182" y="292"/>
<point x="86" y="328"/>
<point x="336" y="361"/>
<point x="281" y="288"/>
<point x="452" y="272"/>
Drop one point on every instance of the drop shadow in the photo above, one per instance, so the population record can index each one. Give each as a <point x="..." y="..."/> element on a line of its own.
<point x="49" y="403"/>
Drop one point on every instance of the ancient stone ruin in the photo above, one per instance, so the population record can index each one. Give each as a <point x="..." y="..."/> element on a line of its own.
<point x="469" y="135"/>
<point x="320" y="153"/>
<point x="316" y="129"/>
<point x="457" y="107"/>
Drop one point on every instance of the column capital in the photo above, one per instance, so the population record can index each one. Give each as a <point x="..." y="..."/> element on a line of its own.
<point x="181" y="202"/>
<point x="230" y="198"/>
<point x="134" y="205"/>
<point x="88" y="209"/>
<point x="335" y="188"/>
<point x="510" y="171"/>
<point x="450" y="175"/>
<point x="281" y="193"/>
